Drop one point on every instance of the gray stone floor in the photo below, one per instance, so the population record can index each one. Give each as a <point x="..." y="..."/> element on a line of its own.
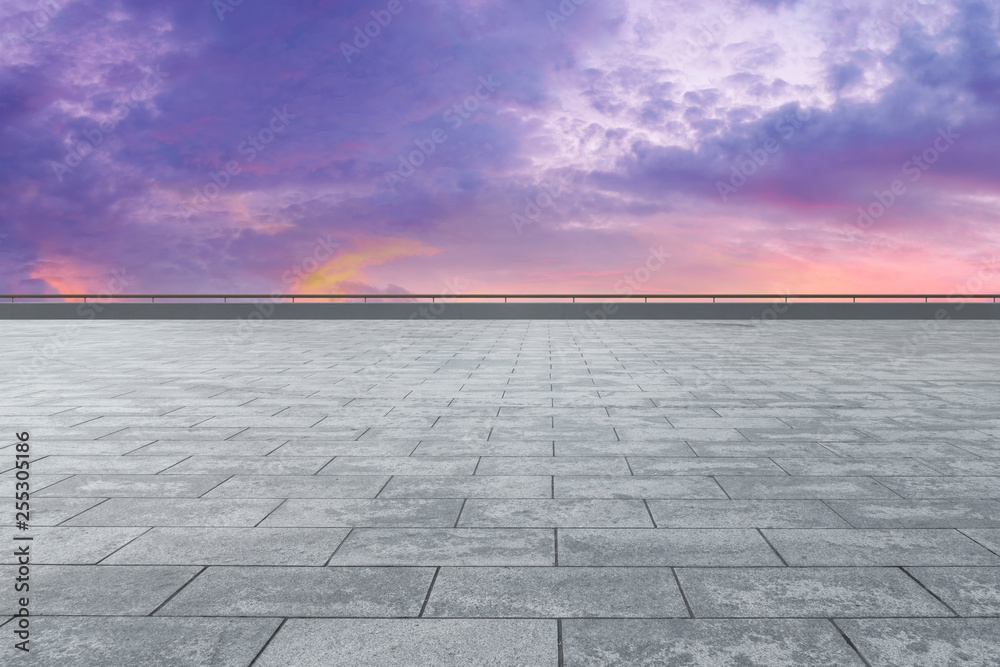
<point x="507" y="493"/>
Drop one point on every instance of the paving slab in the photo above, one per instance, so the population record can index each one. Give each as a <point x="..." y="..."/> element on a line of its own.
<point x="664" y="547"/>
<point x="925" y="642"/>
<point x="133" y="486"/>
<point x="463" y="546"/>
<point x="878" y="546"/>
<point x="231" y="546"/>
<point x="970" y="591"/>
<point x="381" y="512"/>
<point x="804" y="487"/>
<point x="465" y="486"/>
<point x="556" y="592"/>
<point x="401" y="465"/>
<point x="919" y="513"/>
<point x="620" y="487"/>
<point x="299" y="486"/>
<point x="72" y="546"/>
<point x="176" y="512"/>
<point x="481" y="513"/>
<point x="704" y="643"/>
<point x="99" y="590"/>
<point x="304" y="591"/>
<point x="806" y="592"/>
<point x="413" y="643"/>
<point x="744" y="514"/>
<point x="151" y="642"/>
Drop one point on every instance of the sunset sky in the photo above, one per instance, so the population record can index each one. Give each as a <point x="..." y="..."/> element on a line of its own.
<point x="499" y="145"/>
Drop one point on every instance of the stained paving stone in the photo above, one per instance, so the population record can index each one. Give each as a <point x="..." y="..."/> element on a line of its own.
<point x="664" y="547"/>
<point x="231" y="546"/>
<point x="748" y="449"/>
<point x="553" y="465"/>
<point x="802" y="488"/>
<point x="805" y="592"/>
<point x="304" y="591"/>
<point x="704" y="643"/>
<point x="919" y="513"/>
<point x="744" y="514"/>
<point x="464" y="486"/>
<point x="72" y="546"/>
<point x="464" y="546"/>
<point x="564" y="592"/>
<point x="878" y="547"/>
<point x="401" y="465"/>
<point x="803" y="467"/>
<point x="53" y="511"/>
<point x="118" y="465"/>
<point x="944" y="487"/>
<point x="615" y="487"/>
<point x="925" y="642"/>
<point x="413" y="643"/>
<point x="176" y="512"/>
<point x="133" y="486"/>
<point x="642" y="465"/>
<point x="299" y="486"/>
<point x="555" y="513"/>
<point x="404" y="513"/>
<point x="248" y="465"/>
<point x="151" y="642"/>
<point x="99" y="590"/>
<point x="970" y="591"/>
<point x="647" y="448"/>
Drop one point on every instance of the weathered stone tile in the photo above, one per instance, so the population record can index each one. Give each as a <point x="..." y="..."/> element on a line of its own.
<point x="113" y="465"/>
<point x="878" y="547"/>
<point x="744" y="514"/>
<point x="552" y="465"/>
<point x="564" y="592"/>
<point x="299" y="486"/>
<point x="176" y="512"/>
<point x="803" y="488"/>
<point x="970" y="591"/>
<point x="464" y="486"/>
<point x="703" y="466"/>
<point x="621" y="487"/>
<point x="401" y="465"/>
<point x="132" y="486"/>
<point x="249" y="465"/>
<point x="827" y="467"/>
<point x="697" y="643"/>
<point x="99" y="590"/>
<point x="805" y="592"/>
<point x="664" y="448"/>
<point x="451" y="546"/>
<point x="925" y="642"/>
<point x="583" y="513"/>
<point x="231" y="546"/>
<point x="150" y="642"/>
<point x="53" y="511"/>
<point x="663" y="547"/>
<point x="919" y="513"/>
<point x="61" y="545"/>
<point x="304" y="591"/>
<point x="944" y="487"/>
<point x="412" y="643"/>
<point x="382" y="513"/>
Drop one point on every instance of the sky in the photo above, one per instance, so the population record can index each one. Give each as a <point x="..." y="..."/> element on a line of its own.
<point x="490" y="146"/>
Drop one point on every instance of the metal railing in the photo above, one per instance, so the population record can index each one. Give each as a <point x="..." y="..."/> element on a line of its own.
<point x="573" y="297"/>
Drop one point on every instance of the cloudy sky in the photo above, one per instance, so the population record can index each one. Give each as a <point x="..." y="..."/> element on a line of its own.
<point x="499" y="145"/>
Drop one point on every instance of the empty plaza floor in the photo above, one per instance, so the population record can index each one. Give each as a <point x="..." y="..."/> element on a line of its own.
<point x="536" y="493"/>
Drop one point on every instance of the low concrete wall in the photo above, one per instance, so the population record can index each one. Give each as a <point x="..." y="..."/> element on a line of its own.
<point x="500" y="311"/>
